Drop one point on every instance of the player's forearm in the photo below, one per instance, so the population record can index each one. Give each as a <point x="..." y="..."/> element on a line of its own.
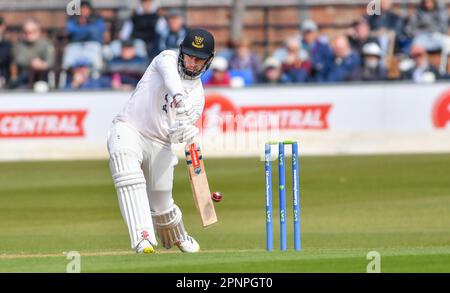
<point x="167" y="68"/>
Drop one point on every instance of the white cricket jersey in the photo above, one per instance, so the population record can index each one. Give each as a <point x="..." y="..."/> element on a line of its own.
<point x="148" y="108"/>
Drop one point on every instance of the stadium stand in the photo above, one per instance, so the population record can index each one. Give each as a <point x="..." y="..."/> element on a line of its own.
<point x="266" y="24"/>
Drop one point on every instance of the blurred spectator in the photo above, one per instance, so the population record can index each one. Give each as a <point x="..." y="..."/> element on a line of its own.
<point x="344" y="62"/>
<point x="388" y="20"/>
<point x="228" y="51"/>
<point x="172" y="37"/>
<point x="34" y="55"/>
<point x="318" y="51"/>
<point x="85" y="33"/>
<point x="373" y="69"/>
<point x="219" y="73"/>
<point x="294" y="60"/>
<point x="114" y="49"/>
<point x="272" y="73"/>
<point x="244" y="62"/>
<point x="420" y="70"/>
<point x="5" y="56"/>
<point x="281" y="54"/>
<point x="80" y="77"/>
<point x="359" y="35"/>
<point x="429" y="25"/>
<point x="145" y="24"/>
<point x="127" y="69"/>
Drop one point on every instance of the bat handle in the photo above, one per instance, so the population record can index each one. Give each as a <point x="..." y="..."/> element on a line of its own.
<point x="189" y="142"/>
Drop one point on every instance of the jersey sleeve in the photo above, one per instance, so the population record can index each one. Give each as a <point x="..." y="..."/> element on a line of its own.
<point x="166" y="64"/>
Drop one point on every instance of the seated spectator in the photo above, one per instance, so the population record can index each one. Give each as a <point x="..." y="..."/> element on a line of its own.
<point x="128" y="68"/>
<point x="5" y="56"/>
<point x="429" y="25"/>
<point x="228" y="51"/>
<point x="359" y="35"/>
<point x="244" y="61"/>
<point x="344" y="62"/>
<point x="144" y="24"/>
<point x="318" y="50"/>
<point x="171" y="38"/>
<point x="219" y="73"/>
<point x="388" y="20"/>
<point x="420" y="71"/>
<point x="114" y="49"/>
<point x="85" y="32"/>
<point x="294" y="60"/>
<point x="373" y="69"/>
<point x="34" y="55"/>
<point x="281" y="54"/>
<point x="80" y="77"/>
<point x="272" y="73"/>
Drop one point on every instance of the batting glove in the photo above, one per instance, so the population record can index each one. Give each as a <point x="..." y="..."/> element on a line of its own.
<point x="180" y="132"/>
<point x="186" y="112"/>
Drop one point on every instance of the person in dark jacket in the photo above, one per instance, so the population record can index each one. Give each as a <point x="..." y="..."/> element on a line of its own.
<point x="387" y="21"/>
<point x="127" y="68"/>
<point x="85" y="32"/>
<point x="172" y="37"/>
<point x="145" y="24"/>
<point x="429" y="25"/>
<point x="344" y="62"/>
<point x="5" y="56"/>
<point x="318" y="50"/>
<point x="359" y="35"/>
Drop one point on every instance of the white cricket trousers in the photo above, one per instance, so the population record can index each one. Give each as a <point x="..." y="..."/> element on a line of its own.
<point x="142" y="172"/>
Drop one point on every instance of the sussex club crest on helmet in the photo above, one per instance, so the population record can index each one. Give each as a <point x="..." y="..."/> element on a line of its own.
<point x="198" y="42"/>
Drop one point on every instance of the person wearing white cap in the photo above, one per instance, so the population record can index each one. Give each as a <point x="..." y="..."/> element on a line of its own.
<point x="272" y="72"/>
<point x="309" y="25"/>
<point x="373" y="69"/>
<point x="220" y="75"/>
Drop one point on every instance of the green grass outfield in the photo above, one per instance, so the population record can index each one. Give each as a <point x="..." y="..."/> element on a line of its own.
<point x="396" y="205"/>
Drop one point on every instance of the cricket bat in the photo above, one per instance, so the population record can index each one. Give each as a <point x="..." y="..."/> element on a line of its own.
<point x="199" y="184"/>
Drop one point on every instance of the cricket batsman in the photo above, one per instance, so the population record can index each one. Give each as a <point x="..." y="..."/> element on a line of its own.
<point x="162" y="110"/>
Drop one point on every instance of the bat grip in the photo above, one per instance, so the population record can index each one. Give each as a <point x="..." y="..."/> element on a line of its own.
<point x="189" y="142"/>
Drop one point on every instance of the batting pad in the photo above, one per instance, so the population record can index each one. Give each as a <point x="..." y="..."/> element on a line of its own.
<point x="133" y="201"/>
<point x="169" y="226"/>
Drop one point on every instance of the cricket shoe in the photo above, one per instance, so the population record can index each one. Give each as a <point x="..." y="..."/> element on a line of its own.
<point x="144" y="247"/>
<point x="189" y="245"/>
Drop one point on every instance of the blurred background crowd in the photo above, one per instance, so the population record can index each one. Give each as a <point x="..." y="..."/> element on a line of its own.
<point x="104" y="51"/>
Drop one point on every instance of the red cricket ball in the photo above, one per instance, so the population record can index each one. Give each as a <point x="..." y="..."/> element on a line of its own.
<point x="216" y="196"/>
